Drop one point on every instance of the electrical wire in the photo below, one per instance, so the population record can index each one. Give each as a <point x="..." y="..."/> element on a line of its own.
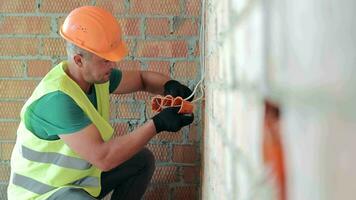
<point x="202" y="57"/>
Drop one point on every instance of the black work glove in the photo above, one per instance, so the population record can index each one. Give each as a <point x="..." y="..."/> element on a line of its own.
<point x="169" y="120"/>
<point x="174" y="88"/>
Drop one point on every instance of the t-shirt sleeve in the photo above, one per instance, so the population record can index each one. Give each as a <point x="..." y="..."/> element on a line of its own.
<point x="54" y="114"/>
<point x="115" y="79"/>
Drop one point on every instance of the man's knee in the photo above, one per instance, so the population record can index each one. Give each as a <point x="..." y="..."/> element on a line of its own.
<point x="149" y="160"/>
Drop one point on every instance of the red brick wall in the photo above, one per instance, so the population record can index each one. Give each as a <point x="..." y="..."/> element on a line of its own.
<point x="162" y="36"/>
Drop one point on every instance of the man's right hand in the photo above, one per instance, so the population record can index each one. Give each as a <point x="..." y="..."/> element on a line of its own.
<point x="169" y="120"/>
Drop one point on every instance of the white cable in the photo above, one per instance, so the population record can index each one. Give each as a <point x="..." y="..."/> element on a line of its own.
<point x="202" y="56"/>
<point x="195" y="89"/>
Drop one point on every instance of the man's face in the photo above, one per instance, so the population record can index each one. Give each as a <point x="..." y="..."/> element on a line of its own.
<point x="96" y="69"/>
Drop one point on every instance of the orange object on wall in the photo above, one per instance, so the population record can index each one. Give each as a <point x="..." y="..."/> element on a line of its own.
<point x="273" y="154"/>
<point x="160" y="102"/>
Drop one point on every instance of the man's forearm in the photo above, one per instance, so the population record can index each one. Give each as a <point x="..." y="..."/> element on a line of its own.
<point x="153" y="82"/>
<point x="124" y="147"/>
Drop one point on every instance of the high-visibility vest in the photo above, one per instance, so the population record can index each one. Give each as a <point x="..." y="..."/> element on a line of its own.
<point x="41" y="167"/>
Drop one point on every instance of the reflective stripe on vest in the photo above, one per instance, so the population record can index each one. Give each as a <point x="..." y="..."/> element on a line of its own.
<point x="41" y="188"/>
<point x="31" y="184"/>
<point x="89" y="181"/>
<point x="55" y="158"/>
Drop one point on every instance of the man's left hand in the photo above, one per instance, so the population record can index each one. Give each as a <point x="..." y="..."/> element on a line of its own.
<point x="174" y="88"/>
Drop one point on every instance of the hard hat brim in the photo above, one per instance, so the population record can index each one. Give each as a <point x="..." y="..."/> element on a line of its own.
<point x="116" y="54"/>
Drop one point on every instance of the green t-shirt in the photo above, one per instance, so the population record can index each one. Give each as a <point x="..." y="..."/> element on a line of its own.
<point x="57" y="113"/>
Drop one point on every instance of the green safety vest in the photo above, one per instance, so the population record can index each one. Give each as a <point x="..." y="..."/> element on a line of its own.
<point x="41" y="167"/>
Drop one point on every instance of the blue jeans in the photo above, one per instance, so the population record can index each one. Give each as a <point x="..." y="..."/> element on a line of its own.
<point x="128" y="180"/>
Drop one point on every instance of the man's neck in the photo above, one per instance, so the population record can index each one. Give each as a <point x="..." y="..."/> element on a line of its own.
<point x="76" y="76"/>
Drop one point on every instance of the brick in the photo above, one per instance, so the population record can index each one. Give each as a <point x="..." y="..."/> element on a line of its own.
<point x="191" y="174"/>
<point x="19" y="46"/>
<point x="161" y="152"/>
<point x="10" y="110"/>
<point x="6" y="149"/>
<point x="130" y="26"/>
<point x="193" y="133"/>
<point x="184" y="154"/>
<point x="159" y="66"/>
<point x="25" y="25"/>
<point x="157" y="193"/>
<point x="4" y="172"/>
<point x="115" y="98"/>
<point x="197" y="49"/>
<point x="157" y="27"/>
<point x="17" y="6"/>
<point x="213" y="73"/>
<point x="185" y="27"/>
<point x="61" y="6"/>
<point x="165" y="174"/>
<point x="120" y="129"/>
<point x="145" y="96"/>
<point x="185" y="192"/>
<point x="16" y="88"/>
<point x="169" y="136"/>
<point x="11" y="68"/>
<point x="185" y="70"/>
<point x="8" y="130"/>
<point x="38" y="68"/>
<point x="129" y="65"/>
<point x="173" y="48"/>
<point x="193" y="8"/>
<point x="54" y="47"/>
<point x="131" y="46"/>
<point x="155" y="7"/>
<point x="125" y="110"/>
<point x="115" y="7"/>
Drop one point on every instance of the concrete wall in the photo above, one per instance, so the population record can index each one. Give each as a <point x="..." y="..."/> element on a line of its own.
<point x="300" y="55"/>
<point x="233" y="166"/>
<point x="161" y="35"/>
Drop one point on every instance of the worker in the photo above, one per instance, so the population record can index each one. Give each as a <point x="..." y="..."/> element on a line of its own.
<point x="65" y="147"/>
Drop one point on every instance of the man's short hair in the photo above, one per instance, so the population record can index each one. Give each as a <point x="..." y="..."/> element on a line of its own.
<point x="73" y="49"/>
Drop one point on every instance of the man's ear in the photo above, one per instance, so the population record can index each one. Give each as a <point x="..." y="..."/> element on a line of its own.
<point x="78" y="59"/>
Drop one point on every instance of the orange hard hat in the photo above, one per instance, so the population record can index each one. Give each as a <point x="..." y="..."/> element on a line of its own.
<point x="96" y="30"/>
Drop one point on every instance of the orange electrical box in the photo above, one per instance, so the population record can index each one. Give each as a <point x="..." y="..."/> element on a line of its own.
<point x="160" y="102"/>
